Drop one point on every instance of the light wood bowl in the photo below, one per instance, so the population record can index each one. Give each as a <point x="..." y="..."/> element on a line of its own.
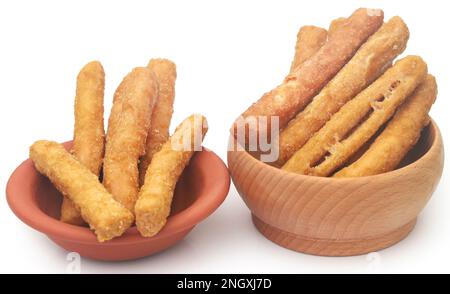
<point x="339" y="217"/>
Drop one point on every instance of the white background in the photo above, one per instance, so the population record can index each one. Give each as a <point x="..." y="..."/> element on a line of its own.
<point x="228" y="54"/>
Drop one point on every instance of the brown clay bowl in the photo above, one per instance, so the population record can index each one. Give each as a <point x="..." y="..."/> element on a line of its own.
<point x="339" y="217"/>
<point x="199" y="192"/>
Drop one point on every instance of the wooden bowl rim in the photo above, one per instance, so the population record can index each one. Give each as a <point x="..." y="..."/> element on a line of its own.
<point x="216" y="183"/>
<point x="437" y="141"/>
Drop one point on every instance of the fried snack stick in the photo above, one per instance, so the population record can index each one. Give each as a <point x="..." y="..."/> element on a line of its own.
<point x="368" y="63"/>
<point x="155" y="197"/>
<point x="107" y="217"/>
<point x="400" y="135"/>
<point x="336" y="24"/>
<point x="286" y="100"/>
<point x="127" y="132"/>
<point x="166" y="73"/>
<point x="89" y="132"/>
<point x="309" y="40"/>
<point x="356" y="122"/>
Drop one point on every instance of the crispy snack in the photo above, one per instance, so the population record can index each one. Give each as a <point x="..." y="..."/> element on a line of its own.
<point x="368" y="63"/>
<point x="309" y="40"/>
<point x="400" y="135"/>
<point x="298" y="89"/>
<point x="89" y="132"/>
<point x="155" y="197"/>
<point x="105" y="216"/>
<point x="336" y="24"/>
<point x="166" y="74"/>
<point x="127" y="133"/>
<point x="358" y="120"/>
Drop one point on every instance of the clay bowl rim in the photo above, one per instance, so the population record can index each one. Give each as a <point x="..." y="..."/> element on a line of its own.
<point x="437" y="141"/>
<point x="207" y="202"/>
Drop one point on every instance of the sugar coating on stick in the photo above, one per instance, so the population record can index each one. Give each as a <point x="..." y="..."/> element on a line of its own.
<point x="358" y="120"/>
<point x="299" y="88"/>
<point x="127" y="133"/>
<point x="365" y="66"/>
<point x="166" y="74"/>
<point x="309" y="40"/>
<point x="89" y="132"/>
<point x="70" y="213"/>
<point x="155" y="197"/>
<point x="336" y="24"/>
<point x="399" y="136"/>
<point x="107" y="217"/>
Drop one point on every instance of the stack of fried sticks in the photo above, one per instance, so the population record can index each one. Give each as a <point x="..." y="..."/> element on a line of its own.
<point x="141" y="164"/>
<point x="344" y="110"/>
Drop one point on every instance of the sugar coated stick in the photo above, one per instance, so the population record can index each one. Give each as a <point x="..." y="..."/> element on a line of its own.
<point x="368" y="63"/>
<point x="399" y="136"/>
<point x="89" y="132"/>
<point x="127" y="132"/>
<point x="336" y="24"/>
<point x="309" y="40"/>
<point x="358" y="120"/>
<point x="285" y="101"/>
<point x="155" y="197"/>
<point x="107" y="217"/>
<point x="166" y="74"/>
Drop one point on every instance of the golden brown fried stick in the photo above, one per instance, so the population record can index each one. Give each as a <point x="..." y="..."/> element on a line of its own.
<point x="368" y="63"/>
<point x="107" y="217"/>
<point x="357" y="121"/>
<point x="155" y="197"/>
<point x="296" y="92"/>
<point x="309" y="40"/>
<point x="400" y="135"/>
<point x="336" y="24"/>
<point x="127" y="132"/>
<point x="89" y="132"/>
<point x="166" y="73"/>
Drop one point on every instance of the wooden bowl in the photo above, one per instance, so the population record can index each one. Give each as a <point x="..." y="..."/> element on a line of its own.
<point x="202" y="187"/>
<point x="339" y="217"/>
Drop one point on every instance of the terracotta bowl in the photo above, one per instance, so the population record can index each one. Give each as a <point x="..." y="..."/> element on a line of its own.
<point x="339" y="217"/>
<point x="201" y="189"/>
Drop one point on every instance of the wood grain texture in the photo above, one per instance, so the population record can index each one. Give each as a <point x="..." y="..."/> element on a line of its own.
<point x="337" y="217"/>
<point x="326" y="247"/>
